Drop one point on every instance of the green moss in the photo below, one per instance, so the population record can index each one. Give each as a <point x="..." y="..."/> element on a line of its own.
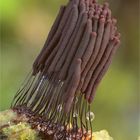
<point x="20" y="131"/>
<point x="7" y="116"/>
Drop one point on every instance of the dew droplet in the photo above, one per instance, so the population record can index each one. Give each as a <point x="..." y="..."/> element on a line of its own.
<point x="59" y="108"/>
<point x="75" y="115"/>
<point x="90" y="116"/>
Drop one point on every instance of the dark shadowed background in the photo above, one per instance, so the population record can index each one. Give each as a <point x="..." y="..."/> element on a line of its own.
<point x="24" y="28"/>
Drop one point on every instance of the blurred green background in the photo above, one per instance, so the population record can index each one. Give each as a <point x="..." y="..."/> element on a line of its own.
<point x="24" y="28"/>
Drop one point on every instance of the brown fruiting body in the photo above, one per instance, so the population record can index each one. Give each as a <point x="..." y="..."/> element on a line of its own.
<point x="77" y="54"/>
